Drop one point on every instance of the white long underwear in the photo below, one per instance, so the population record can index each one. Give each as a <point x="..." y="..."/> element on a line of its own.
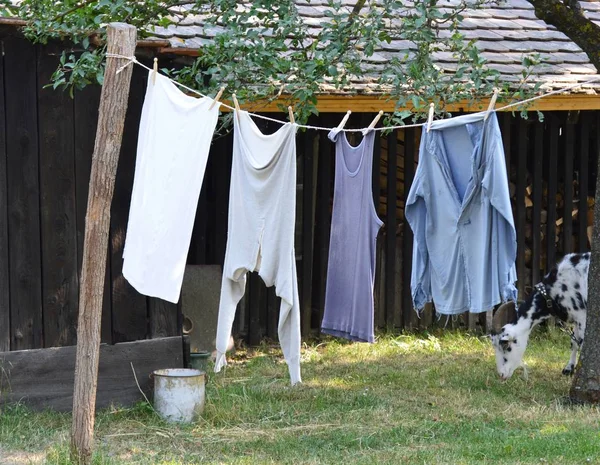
<point x="173" y="144"/>
<point x="262" y="215"/>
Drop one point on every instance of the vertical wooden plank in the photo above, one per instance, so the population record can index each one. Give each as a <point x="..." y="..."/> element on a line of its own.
<point x="253" y="290"/>
<point x="323" y="218"/>
<point x="308" y="228"/>
<point x="4" y="276"/>
<point x="380" y="283"/>
<point x="273" y="306"/>
<point x="506" y="125"/>
<point x="197" y="254"/>
<point x="376" y="169"/>
<point x="537" y="201"/>
<point x="162" y="318"/>
<point x="129" y="308"/>
<point x="552" y="190"/>
<point x="225" y="161"/>
<point x="60" y="283"/>
<point x="263" y="308"/>
<point x="223" y="151"/>
<point x="407" y="239"/>
<point x="379" y="302"/>
<point x="23" y="194"/>
<point x="521" y="179"/>
<point x="568" y="199"/>
<point x="240" y="320"/>
<point x="86" y="103"/>
<point x="298" y="242"/>
<point x="584" y="141"/>
<point x="390" y="252"/>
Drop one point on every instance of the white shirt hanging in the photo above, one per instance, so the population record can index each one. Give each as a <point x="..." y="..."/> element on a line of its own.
<point x="173" y="145"/>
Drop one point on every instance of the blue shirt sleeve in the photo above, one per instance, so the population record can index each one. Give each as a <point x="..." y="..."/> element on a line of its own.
<point x="495" y="184"/>
<point x="416" y="215"/>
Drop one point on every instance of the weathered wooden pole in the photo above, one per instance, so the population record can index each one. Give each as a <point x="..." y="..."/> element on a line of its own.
<point x="121" y="40"/>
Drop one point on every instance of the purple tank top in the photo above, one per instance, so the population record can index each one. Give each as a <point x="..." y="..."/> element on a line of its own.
<point x="354" y="227"/>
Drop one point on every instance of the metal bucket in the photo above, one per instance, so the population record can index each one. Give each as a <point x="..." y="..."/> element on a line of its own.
<point x="179" y="394"/>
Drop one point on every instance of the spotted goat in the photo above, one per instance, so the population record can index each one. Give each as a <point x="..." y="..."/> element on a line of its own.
<point x="562" y="294"/>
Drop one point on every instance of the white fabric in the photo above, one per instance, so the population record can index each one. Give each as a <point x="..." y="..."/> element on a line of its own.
<point x="173" y="144"/>
<point x="262" y="215"/>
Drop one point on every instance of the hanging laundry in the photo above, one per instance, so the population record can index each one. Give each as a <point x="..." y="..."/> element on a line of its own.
<point x="354" y="226"/>
<point x="262" y="215"/>
<point x="173" y="144"/>
<point x="459" y="210"/>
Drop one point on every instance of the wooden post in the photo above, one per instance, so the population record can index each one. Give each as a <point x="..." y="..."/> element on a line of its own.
<point x="121" y="40"/>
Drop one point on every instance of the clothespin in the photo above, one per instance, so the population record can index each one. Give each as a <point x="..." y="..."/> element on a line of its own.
<point x="343" y="123"/>
<point x="216" y="99"/>
<point x="491" y="105"/>
<point x="236" y="104"/>
<point x="154" y="70"/>
<point x="374" y="122"/>
<point x="291" y="113"/>
<point x="430" y="117"/>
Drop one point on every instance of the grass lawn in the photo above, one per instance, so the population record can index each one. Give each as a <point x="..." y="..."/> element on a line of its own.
<point x="424" y="399"/>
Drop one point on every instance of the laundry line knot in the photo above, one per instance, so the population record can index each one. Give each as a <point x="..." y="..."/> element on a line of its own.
<point x="130" y="59"/>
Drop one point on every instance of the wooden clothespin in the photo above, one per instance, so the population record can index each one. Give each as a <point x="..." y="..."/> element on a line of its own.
<point x="216" y="99"/>
<point x="291" y="113"/>
<point x="343" y="122"/>
<point x="430" y="116"/>
<point x="374" y="122"/>
<point x="236" y="104"/>
<point x="491" y="105"/>
<point x="154" y="70"/>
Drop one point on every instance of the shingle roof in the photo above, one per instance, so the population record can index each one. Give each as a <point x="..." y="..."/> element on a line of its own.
<point x="504" y="32"/>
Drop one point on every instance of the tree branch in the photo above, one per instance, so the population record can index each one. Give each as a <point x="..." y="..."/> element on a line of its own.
<point x="73" y="9"/>
<point x="569" y="18"/>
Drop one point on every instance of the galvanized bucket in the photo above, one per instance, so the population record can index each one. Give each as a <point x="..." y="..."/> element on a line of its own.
<point x="179" y="394"/>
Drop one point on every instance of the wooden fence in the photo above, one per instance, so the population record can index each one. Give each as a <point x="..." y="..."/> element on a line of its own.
<point x="46" y="142"/>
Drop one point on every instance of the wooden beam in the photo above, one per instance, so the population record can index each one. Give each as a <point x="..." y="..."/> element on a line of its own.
<point x="43" y="378"/>
<point x="111" y="119"/>
<point x="374" y="103"/>
<point x="13" y="22"/>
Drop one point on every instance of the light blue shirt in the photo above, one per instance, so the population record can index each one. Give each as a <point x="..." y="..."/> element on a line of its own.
<point x="458" y="207"/>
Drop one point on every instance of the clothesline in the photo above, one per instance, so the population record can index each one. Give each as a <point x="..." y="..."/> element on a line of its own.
<point x="133" y="59"/>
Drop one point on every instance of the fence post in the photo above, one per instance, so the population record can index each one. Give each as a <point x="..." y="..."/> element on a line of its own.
<point x="121" y="40"/>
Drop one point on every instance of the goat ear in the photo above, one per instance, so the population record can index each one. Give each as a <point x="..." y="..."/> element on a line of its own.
<point x="499" y="318"/>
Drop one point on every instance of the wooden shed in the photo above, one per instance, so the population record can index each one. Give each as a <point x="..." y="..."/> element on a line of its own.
<point x="46" y="141"/>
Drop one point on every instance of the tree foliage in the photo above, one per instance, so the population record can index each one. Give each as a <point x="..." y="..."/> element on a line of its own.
<point x="263" y="50"/>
